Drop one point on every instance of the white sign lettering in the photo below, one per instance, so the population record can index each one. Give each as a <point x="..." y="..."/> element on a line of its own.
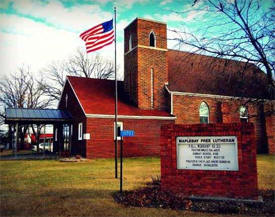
<point x="207" y="153"/>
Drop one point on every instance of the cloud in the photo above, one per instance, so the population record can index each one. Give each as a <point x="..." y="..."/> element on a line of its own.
<point x="75" y="19"/>
<point x="36" y="46"/>
<point x="194" y="15"/>
<point x="24" y="40"/>
<point x="4" y="4"/>
<point x="174" y="43"/>
<point x="172" y="17"/>
<point x="127" y="4"/>
<point x="165" y="2"/>
<point x="150" y="17"/>
<point x="121" y="25"/>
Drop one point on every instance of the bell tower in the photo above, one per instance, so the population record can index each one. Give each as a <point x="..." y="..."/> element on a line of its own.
<point x="145" y="63"/>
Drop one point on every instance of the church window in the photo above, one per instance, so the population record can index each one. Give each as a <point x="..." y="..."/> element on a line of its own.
<point x="204" y="113"/>
<point x="152" y="39"/>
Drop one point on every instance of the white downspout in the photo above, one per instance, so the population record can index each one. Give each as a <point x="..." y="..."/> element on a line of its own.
<point x="171" y="99"/>
<point x="172" y="105"/>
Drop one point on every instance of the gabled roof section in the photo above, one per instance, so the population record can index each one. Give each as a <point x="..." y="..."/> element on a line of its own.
<point x="195" y="73"/>
<point x="97" y="96"/>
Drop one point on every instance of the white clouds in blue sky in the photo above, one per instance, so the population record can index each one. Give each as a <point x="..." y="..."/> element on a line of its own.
<point x="35" y="33"/>
<point x="38" y="32"/>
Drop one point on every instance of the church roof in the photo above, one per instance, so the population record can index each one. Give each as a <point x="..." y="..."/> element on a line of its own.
<point x="97" y="96"/>
<point x="195" y="73"/>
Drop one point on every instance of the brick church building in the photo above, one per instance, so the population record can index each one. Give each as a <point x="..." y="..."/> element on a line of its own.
<point x="163" y="86"/>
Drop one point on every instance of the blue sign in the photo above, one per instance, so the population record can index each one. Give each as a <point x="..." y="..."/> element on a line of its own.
<point x="127" y="133"/>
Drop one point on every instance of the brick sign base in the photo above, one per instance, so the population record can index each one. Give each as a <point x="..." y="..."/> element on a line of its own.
<point x="239" y="184"/>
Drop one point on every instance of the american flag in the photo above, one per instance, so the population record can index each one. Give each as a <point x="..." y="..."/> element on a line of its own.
<point x="98" y="36"/>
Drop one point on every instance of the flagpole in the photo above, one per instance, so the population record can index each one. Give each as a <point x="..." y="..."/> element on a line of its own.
<point x="115" y="98"/>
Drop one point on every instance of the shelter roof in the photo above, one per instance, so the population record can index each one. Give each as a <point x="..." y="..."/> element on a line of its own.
<point x="36" y="115"/>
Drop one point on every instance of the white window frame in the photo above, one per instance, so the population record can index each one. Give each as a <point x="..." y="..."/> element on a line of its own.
<point x="121" y="128"/>
<point x="80" y="131"/>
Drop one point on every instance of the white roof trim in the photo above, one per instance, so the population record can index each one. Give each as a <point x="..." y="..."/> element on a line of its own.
<point x="76" y="96"/>
<point x="130" y="117"/>
<point x="207" y="95"/>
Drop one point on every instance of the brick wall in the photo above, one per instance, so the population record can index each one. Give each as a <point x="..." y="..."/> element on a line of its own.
<point x="157" y="60"/>
<point x="130" y="63"/>
<point x="144" y="29"/>
<point x="186" y="109"/>
<point x="231" y="184"/>
<point x="146" y="141"/>
<point x="130" y="76"/>
<point x="270" y="125"/>
<point x="140" y="61"/>
<point x="78" y="146"/>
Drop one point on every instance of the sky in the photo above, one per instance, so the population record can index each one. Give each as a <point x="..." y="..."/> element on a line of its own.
<point x="36" y="33"/>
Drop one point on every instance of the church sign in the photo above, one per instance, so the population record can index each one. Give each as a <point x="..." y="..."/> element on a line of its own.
<point x="215" y="161"/>
<point x="207" y="153"/>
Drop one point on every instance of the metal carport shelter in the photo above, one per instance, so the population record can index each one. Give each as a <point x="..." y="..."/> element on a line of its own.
<point x="22" y="116"/>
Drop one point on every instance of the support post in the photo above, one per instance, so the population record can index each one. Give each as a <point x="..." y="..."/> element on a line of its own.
<point x="10" y="137"/>
<point x="115" y="98"/>
<point x="37" y="138"/>
<point x="16" y="141"/>
<point x="59" y="139"/>
<point x="44" y="140"/>
<point x="121" y="168"/>
<point x="71" y="138"/>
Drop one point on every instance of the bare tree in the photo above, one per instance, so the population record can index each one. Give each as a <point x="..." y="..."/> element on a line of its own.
<point x="56" y="77"/>
<point x="237" y="29"/>
<point x="22" y="90"/>
<point x="97" y="67"/>
<point x="77" y="65"/>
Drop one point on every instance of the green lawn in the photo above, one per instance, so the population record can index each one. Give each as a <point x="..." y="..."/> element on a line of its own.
<point x="53" y="188"/>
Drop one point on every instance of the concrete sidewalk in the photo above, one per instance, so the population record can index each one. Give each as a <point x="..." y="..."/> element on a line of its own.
<point x="33" y="156"/>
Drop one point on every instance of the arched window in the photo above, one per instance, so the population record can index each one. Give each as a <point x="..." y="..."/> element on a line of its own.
<point x="243" y="114"/>
<point x="152" y="39"/>
<point x="130" y="43"/>
<point x="204" y="113"/>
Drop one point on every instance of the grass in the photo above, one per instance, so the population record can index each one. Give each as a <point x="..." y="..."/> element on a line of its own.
<point x="52" y="188"/>
<point x="266" y="171"/>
